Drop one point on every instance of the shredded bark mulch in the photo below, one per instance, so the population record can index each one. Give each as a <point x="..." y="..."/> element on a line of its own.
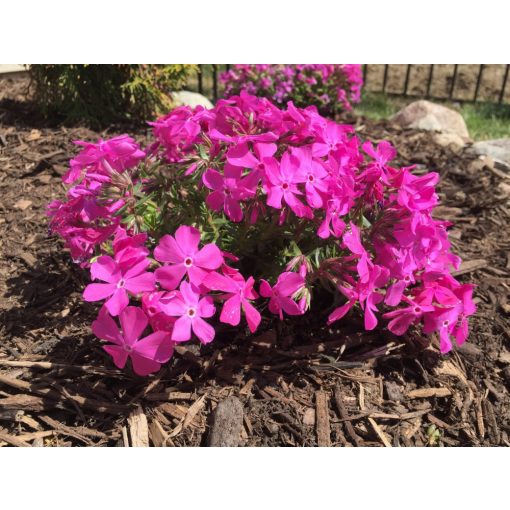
<point x="296" y="383"/>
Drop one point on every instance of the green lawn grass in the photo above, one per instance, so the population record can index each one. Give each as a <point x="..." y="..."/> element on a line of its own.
<point x="485" y="121"/>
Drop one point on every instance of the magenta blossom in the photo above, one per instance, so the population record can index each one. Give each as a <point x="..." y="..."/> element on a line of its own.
<point x="147" y="354"/>
<point x="238" y="295"/>
<point x="182" y="256"/>
<point x="280" y="295"/>
<point x="119" y="282"/>
<point x="228" y="190"/>
<point x="190" y="308"/>
<point x="282" y="184"/>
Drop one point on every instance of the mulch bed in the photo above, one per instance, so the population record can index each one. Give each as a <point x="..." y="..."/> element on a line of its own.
<point x="296" y="383"/>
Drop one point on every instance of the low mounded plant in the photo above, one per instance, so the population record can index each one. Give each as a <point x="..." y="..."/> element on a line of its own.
<point x="247" y="209"/>
<point x="330" y="87"/>
<point x="106" y="93"/>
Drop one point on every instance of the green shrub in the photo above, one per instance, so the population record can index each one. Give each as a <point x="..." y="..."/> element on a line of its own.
<point x="101" y="94"/>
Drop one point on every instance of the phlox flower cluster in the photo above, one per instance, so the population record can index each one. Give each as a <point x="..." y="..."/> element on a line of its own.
<point x="247" y="210"/>
<point x="330" y="87"/>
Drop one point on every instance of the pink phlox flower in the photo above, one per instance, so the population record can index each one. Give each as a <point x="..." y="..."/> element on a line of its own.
<point x="151" y="304"/>
<point x="238" y="294"/>
<point x="418" y="193"/>
<point x="147" y="354"/>
<point x="182" y="256"/>
<point x="352" y="240"/>
<point x="129" y="249"/>
<point x="332" y="137"/>
<point x="315" y="173"/>
<point x="281" y="294"/>
<point x="403" y="318"/>
<point x="382" y="154"/>
<point x="120" y="282"/>
<point x="228" y="190"/>
<point x="282" y="185"/>
<point x="190" y="308"/>
<point x="119" y="153"/>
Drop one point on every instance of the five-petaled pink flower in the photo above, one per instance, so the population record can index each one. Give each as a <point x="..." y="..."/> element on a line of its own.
<point x="147" y="354"/>
<point x="280" y="295"/>
<point x="228" y="190"/>
<point x="187" y="305"/>
<point x="282" y="184"/>
<point x="119" y="282"/>
<point x="182" y="256"/>
<point x="238" y="295"/>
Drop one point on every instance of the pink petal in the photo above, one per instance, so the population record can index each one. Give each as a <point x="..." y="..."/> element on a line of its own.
<point x="133" y="321"/>
<point x="174" y="307"/>
<point x="274" y="197"/>
<point x="144" y="366"/>
<point x="98" y="291"/>
<point x="252" y="315"/>
<point x="231" y="313"/>
<point x="265" y="289"/>
<point x="197" y="275"/>
<point x="265" y="150"/>
<point x="188" y="239"/>
<point x="118" y="354"/>
<point x="168" y="250"/>
<point x="190" y="294"/>
<point x="170" y="276"/>
<point x="215" y="200"/>
<point x="289" y="283"/>
<point x="137" y="269"/>
<point x="142" y="283"/>
<point x="182" y="329"/>
<point x="233" y="210"/>
<point x="209" y="257"/>
<point x="219" y="282"/>
<point x="232" y="172"/>
<point x="290" y="307"/>
<point x="106" y="269"/>
<point x="204" y="331"/>
<point x="213" y="179"/>
<point x="157" y="346"/>
<point x="240" y="155"/>
<point x="206" y="307"/>
<point x="117" y="302"/>
<point x="105" y="328"/>
<point x="339" y="312"/>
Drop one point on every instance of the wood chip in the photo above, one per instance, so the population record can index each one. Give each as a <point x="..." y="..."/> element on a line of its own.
<point x="322" y="418"/>
<point x="13" y="440"/>
<point x="429" y="392"/>
<point x="470" y="265"/>
<point x="191" y="413"/>
<point x="157" y="434"/>
<point x="227" y="423"/>
<point x="22" y="204"/>
<point x="138" y="428"/>
<point x="309" y="417"/>
<point x="380" y="433"/>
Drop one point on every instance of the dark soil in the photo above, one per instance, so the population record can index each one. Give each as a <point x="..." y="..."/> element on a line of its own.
<point x="299" y="382"/>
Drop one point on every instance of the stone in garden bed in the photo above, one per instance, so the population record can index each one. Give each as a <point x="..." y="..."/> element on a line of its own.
<point x="429" y="116"/>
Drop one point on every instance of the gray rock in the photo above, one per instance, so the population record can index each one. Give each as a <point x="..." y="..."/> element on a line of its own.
<point x="452" y="140"/>
<point x="187" y="98"/>
<point x="227" y="423"/>
<point x="498" y="150"/>
<point x="432" y="117"/>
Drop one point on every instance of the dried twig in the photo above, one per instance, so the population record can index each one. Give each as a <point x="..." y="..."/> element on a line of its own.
<point x="322" y="419"/>
<point x="344" y="415"/>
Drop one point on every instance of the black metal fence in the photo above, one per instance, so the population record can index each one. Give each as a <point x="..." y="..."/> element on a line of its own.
<point x="494" y="78"/>
<point x="454" y="82"/>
